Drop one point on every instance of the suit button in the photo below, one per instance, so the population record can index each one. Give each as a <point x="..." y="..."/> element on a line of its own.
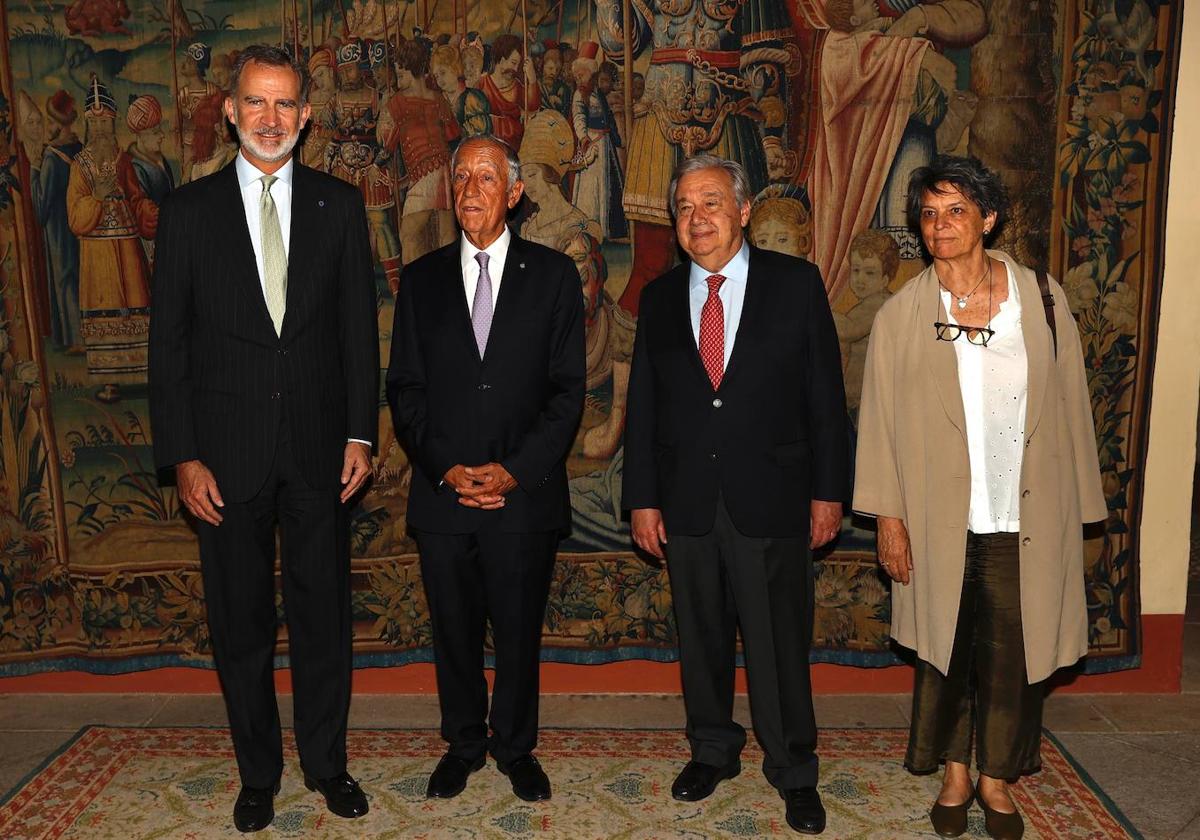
<point x="1025" y="494"/>
<point x="1026" y="541"/>
<point x="713" y="456"/>
<point x="276" y="395"/>
<point x="717" y="403"/>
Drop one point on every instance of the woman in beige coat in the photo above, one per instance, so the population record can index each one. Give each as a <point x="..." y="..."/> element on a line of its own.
<point x="977" y="456"/>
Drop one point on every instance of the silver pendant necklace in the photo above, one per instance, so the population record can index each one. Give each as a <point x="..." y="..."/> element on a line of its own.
<point x="962" y="301"/>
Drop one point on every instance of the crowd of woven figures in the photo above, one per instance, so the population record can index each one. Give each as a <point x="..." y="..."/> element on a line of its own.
<point x="597" y="142"/>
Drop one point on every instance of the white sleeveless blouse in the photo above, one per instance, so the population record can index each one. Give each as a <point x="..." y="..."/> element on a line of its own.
<point x="994" y="382"/>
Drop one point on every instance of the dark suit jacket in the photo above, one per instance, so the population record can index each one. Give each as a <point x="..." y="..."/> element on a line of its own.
<point x="220" y="379"/>
<point x="771" y="439"/>
<point x="520" y="406"/>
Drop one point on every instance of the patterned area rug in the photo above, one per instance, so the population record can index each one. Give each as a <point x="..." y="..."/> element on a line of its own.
<point x="180" y="783"/>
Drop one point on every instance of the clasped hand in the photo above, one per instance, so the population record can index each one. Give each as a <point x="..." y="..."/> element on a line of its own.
<point x="482" y="487"/>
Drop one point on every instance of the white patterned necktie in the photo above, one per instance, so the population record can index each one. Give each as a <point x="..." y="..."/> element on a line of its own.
<point x="274" y="255"/>
<point x="481" y="307"/>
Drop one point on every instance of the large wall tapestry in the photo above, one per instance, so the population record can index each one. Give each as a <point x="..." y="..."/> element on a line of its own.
<point x="108" y="105"/>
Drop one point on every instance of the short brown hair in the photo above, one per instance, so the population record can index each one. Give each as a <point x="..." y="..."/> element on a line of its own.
<point x="881" y="246"/>
<point x="839" y="13"/>
<point x="413" y="56"/>
<point x="505" y="45"/>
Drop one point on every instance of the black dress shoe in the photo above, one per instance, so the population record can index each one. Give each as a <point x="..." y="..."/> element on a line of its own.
<point x="449" y="778"/>
<point x="529" y="780"/>
<point x="805" y="813"/>
<point x="342" y="794"/>
<point x="697" y="781"/>
<point x="254" y="809"/>
<point x="949" y="820"/>
<point x="999" y="825"/>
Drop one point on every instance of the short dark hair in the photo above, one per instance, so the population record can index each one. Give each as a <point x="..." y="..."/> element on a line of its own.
<point x="271" y="57"/>
<point x="413" y="56"/>
<point x="505" y="45"/>
<point x="839" y="13"/>
<point x="980" y="185"/>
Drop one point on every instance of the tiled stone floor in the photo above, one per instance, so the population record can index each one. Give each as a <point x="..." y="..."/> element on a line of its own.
<point x="1143" y="750"/>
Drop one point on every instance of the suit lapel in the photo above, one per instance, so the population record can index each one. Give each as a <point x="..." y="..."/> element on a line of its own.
<point x="683" y="323"/>
<point x="305" y="231"/>
<point x="455" y="300"/>
<point x="939" y="355"/>
<point x="231" y="218"/>
<point x="512" y="284"/>
<point x="752" y="304"/>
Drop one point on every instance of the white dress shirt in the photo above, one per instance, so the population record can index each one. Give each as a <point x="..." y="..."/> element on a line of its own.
<point x="250" y="183"/>
<point x="732" y="294"/>
<point x="994" y="383"/>
<point x="497" y="252"/>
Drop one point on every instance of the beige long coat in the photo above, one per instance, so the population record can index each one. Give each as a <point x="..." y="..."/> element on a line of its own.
<point x="913" y="464"/>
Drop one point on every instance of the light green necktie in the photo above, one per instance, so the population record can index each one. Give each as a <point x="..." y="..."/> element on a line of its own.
<point x="274" y="255"/>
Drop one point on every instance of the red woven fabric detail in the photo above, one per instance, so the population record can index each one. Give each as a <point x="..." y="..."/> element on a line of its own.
<point x="712" y="332"/>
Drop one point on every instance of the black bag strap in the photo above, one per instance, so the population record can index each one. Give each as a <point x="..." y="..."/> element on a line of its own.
<point x="1048" y="304"/>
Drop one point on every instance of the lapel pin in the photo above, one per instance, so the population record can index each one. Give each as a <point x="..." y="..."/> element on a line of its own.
<point x="522" y="265"/>
<point x="321" y="203"/>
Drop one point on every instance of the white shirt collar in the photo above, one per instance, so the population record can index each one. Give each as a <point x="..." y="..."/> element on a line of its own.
<point x="499" y="248"/>
<point x="736" y="269"/>
<point x="248" y="173"/>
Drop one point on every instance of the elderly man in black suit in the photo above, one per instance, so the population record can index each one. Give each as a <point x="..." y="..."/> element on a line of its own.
<point x="486" y="384"/>
<point x="736" y="468"/>
<point x="264" y="379"/>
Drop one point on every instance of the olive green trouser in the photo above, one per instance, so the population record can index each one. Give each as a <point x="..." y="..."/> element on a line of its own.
<point x="985" y="697"/>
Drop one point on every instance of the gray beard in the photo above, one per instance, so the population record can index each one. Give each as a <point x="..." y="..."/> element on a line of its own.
<point x="250" y="141"/>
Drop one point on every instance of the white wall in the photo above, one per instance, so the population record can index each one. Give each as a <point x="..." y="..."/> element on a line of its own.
<point x="1166" y="505"/>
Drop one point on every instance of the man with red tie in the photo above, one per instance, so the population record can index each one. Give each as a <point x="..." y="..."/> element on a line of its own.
<point x="736" y="465"/>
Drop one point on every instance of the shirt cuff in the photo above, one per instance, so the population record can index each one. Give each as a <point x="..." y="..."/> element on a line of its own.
<point x="357" y="440"/>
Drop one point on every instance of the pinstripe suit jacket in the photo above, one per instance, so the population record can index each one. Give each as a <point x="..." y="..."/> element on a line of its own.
<point x="221" y="381"/>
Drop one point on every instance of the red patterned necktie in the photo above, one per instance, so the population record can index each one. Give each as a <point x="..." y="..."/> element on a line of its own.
<point x="712" y="332"/>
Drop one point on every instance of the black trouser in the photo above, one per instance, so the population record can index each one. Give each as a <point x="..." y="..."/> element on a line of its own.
<point x="985" y="696"/>
<point x="471" y="579"/>
<point x="237" y="560"/>
<point x="723" y="580"/>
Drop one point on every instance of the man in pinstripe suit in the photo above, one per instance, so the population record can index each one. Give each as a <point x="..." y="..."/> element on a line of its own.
<point x="264" y="379"/>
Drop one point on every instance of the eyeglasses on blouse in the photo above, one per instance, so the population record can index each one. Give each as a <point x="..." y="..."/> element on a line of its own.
<point x="979" y="336"/>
